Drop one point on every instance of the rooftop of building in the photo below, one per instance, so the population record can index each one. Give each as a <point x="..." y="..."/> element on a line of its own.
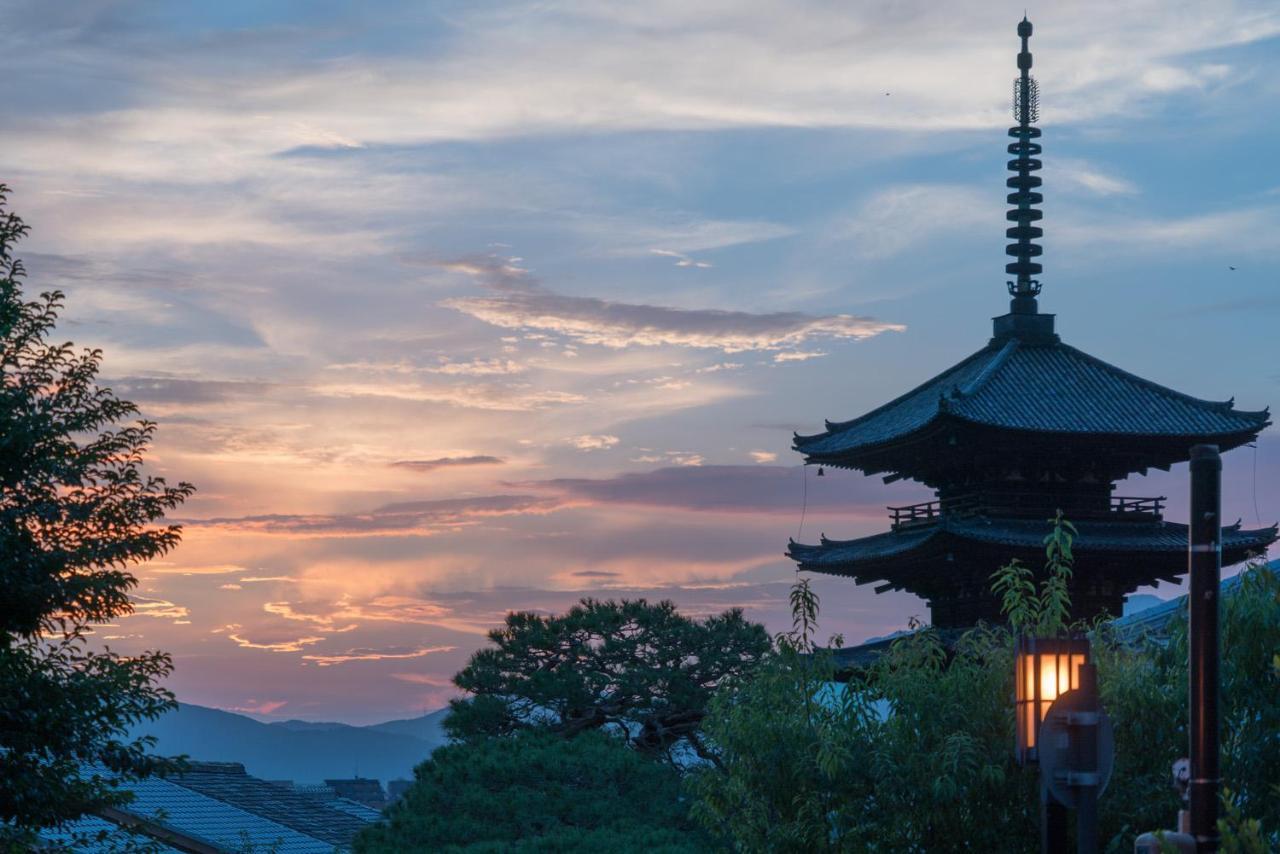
<point x="1037" y="386"/>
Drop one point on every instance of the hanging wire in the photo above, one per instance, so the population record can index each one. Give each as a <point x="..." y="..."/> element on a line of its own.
<point x="804" y="506"/>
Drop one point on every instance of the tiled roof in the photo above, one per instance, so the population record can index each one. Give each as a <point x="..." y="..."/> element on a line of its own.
<point x="368" y="814"/>
<point x="1155" y="620"/>
<point x="1039" y="387"/>
<point x="216" y="822"/>
<point x="228" y="782"/>
<point x="1140" y="537"/>
<point x="87" y="828"/>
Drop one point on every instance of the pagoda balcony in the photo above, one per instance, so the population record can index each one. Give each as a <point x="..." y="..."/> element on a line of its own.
<point x="1028" y="504"/>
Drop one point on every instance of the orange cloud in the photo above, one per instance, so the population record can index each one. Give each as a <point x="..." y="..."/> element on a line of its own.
<point x="160" y="608"/>
<point x="424" y="679"/>
<point x="259" y="707"/>
<point x="374" y="655"/>
<point x="295" y="645"/>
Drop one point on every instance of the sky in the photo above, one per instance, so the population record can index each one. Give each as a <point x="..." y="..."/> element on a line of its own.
<point x="454" y="308"/>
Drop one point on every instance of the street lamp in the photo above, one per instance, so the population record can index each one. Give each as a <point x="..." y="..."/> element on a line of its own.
<point x="1046" y="669"/>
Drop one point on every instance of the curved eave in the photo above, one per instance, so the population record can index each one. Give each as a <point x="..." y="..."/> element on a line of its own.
<point x="872" y="558"/>
<point x="855" y="457"/>
<point x="1012" y="386"/>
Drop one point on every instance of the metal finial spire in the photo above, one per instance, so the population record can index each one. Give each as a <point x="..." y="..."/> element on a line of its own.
<point x="1026" y="110"/>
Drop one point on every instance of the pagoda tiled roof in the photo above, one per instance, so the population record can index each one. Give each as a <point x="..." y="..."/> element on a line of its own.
<point x="1044" y="387"/>
<point x="853" y="557"/>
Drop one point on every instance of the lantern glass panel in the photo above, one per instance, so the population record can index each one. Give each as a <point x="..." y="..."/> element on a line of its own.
<point x="1046" y="668"/>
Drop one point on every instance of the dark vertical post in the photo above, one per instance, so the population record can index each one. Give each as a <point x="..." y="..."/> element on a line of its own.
<point x="1205" y="560"/>
<point x="1085" y="762"/>
<point x="1053" y="824"/>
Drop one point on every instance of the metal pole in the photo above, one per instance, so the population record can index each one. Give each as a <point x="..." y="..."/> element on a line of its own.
<point x="1085" y="762"/>
<point x="1205" y="560"/>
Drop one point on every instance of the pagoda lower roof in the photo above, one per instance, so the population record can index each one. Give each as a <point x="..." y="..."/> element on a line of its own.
<point x="874" y="558"/>
<point x="1040" y="386"/>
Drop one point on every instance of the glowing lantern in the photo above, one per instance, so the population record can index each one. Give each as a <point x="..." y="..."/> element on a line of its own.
<point x="1046" y="669"/>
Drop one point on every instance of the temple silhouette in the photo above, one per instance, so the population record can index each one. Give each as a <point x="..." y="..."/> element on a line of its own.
<point x="1023" y="428"/>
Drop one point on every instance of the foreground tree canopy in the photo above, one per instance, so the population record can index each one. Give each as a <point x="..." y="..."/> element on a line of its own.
<point x="913" y="753"/>
<point x="916" y="752"/>
<point x="536" y="791"/>
<point x="75" y="513"/>
<point x="641" y="670"/>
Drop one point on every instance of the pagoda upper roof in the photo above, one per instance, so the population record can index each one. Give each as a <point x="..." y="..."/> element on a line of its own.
<point x="872" y="558"/>
<point x="1042" y="386"/>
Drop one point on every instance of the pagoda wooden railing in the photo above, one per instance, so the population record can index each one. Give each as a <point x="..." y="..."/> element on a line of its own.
<point x="1026" y="504"/>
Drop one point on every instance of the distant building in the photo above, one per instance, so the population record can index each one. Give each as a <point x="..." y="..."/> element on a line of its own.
<point x="396" y="789"/>
<point x="216" y="807"/>
<point x="362" y="790"/>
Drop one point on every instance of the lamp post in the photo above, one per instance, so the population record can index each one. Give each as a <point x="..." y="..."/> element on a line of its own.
<point x="1046" y="669"/>
<point x="1062" y="728"/>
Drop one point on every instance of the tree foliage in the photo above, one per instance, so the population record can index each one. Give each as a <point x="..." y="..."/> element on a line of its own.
<point x="641" y="670"/>
<point x="536" y="791"/>
<point x="1144" y="687"/>
<point x="76" y="512"/>
<point x="915" y="753"/>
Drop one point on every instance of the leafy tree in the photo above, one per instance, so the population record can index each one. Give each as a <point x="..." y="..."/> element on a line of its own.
<point x="536" y="791"/>
<point x="915" y="753"/>
<point x="1143" y="686"/>
<point x="75" y="513"/>
<point x="643" y="671"/>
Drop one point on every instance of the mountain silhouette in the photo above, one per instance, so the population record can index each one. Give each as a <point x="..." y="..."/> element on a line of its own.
<point x="302" y="751"/>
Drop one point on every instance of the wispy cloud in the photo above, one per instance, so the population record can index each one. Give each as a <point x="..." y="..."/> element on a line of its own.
<point x="513" y="398"/>
<point x="320" y="621"/>
<point x="163" y="568"/>
<point x="478" y="368"/>
<point x="144" y="606"/>
<point x="1249" y="231"/>
<point x="1087" y="176"/>
<point x="797" y="356"/>
<point x="393" y="653"/>
<point x="291" y="645"/>
<point x="424" y="679"/>
<point x="406" y="518"/>
<point x="258" y="707"/>
<point x="523" y="303"/>
<point x="588" y="442"/>
<point x="720" y="488"/>
<point x="682" y="260"/>
<point x="898" y="218"/>
<point x="447" y="462"/>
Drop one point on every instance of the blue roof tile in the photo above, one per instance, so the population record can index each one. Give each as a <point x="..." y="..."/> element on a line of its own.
<point x="1046" y="388"/>
<point x="216" y="822"/>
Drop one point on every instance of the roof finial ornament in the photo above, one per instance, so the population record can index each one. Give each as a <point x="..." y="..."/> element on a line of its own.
<point x="1026" y="111"/>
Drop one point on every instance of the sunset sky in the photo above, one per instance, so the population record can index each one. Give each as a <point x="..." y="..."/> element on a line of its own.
<point x="453" y="308"/>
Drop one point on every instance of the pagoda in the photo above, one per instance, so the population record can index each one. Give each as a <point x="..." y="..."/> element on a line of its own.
<point x="1023" y="428"/>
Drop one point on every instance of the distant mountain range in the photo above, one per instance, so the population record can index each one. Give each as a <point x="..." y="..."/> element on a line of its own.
<point x="302" y="751"/>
